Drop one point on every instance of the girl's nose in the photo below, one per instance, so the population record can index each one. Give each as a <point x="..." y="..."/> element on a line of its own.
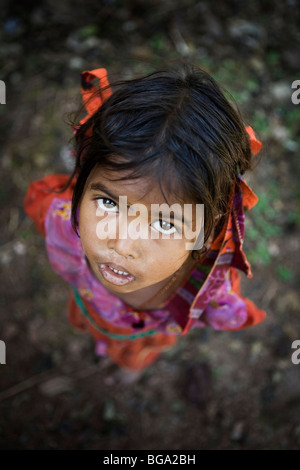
<point x="124" y="245"/>
<point x="123" y="248"/>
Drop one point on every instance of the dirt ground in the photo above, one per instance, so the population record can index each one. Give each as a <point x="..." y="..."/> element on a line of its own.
<point x="214" y="390"/>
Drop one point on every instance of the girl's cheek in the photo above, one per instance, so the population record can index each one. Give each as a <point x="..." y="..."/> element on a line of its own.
<point x="169" y="252"/>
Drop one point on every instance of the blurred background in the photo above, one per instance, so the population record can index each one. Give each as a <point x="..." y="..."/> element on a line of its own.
<point x="215" y="390"/>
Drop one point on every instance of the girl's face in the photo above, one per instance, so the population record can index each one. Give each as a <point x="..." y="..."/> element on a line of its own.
<point x="130" y="244"/>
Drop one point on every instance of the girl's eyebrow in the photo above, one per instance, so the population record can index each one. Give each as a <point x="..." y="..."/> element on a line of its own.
<point x="101" y="187"/>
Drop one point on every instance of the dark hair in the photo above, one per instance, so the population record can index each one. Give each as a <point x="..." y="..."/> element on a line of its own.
<point x="176" y="126"/>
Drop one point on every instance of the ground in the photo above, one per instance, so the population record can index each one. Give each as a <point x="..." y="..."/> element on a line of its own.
<point x="214" y="390"/>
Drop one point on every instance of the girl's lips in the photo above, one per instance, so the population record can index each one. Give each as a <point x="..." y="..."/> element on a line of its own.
<point x="109" y="273"/>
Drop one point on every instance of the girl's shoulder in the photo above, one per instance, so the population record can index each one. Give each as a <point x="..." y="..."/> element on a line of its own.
<point x="40" y="194"/>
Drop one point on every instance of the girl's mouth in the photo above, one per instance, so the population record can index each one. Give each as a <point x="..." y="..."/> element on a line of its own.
<point x="115" y="274"/>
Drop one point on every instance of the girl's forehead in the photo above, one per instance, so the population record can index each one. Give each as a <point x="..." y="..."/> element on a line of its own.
<point x="145" y="189"/>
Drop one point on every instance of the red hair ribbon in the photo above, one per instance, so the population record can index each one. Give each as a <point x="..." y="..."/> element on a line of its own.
<point x="255" y="144"/>
<point x="93" y="97"/>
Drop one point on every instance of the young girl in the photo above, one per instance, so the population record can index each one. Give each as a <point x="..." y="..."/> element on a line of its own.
<point x="168" y="140"/>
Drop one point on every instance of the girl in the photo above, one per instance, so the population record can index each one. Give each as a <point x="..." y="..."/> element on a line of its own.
<point x="169" y="140"/>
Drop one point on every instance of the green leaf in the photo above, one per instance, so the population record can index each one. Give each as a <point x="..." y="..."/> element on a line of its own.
<point x="284" y="273"/>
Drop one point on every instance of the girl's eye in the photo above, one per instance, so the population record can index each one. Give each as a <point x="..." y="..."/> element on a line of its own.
<point x="107" y="205"/>
<point x="164" y="227"/>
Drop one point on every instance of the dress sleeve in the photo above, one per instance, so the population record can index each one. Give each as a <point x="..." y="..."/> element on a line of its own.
<point x="40" y="194"/>
<point x="254" y="314"/>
